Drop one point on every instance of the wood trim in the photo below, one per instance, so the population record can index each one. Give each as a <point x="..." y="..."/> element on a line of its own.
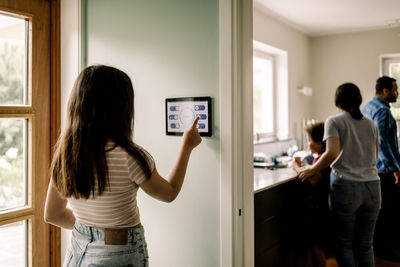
<point x="55" y="117"/>
<point x="14" y="215"/>
<point x="16" y="12"/>
<point x="18" y="111"/>
<point x="17" y="115"/>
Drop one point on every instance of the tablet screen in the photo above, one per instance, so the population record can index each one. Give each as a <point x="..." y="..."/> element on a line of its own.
<point x="181" y="112"/>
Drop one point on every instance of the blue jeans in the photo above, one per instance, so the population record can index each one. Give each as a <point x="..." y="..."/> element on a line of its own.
<point x="88" y="248"/>
<point x="355" y="207"/>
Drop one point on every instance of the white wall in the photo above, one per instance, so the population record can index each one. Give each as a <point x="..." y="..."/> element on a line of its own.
<point x="169" y="49"/>
<point x="272" y="32"/>
<point x="69" y="71"/>
<point x="352" y="57"/>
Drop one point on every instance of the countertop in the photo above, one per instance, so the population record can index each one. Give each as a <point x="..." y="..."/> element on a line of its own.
<point x="265" y="179"/>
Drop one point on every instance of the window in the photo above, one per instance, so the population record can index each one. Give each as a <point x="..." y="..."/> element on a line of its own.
<point x="391" y="68"/>
<point x="270" y="93"/>
<point x="25" y="141"/>
<point x="263" y="95"/>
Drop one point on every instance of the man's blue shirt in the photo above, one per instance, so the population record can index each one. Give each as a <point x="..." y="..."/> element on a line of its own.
<point x="389" y="156"/>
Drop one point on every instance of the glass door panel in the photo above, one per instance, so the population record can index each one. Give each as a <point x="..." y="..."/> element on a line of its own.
<point x="13" y="245"/>
<point x="13" y="60"/>
<point x="25" y="84"/>
<point x="14" y="43"/>
<point x="13" y="174"/>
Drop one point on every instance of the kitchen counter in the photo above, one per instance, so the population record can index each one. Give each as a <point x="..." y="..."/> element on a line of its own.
<point x="265" y="179"/>
<point x="283" y="228"/>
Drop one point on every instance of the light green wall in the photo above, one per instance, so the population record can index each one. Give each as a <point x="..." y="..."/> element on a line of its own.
<point x="169" y="49"/>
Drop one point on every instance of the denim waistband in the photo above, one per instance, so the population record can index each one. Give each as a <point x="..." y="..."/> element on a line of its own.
<point x="93" y="233"/>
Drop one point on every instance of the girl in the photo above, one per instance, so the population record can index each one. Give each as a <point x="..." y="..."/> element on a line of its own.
<point x="315" y="134"/>
<point x="354" y="198"/>
<point x="97" y="169"/>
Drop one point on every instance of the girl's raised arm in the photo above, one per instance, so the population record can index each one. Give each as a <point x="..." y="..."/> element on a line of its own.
<point x="168" y="189"/>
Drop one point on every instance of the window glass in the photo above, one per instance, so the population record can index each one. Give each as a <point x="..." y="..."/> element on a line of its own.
<point x="394" y="70"/>
<point x="13" y="180"/>
<point x="391" y="68"/>
<point x="13" y="245"/>
<point x="13" y="54"/>
<point x="263" y="105"/>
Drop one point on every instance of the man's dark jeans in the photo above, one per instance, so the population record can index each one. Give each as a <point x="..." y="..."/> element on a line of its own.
<point x="387" y="229"/>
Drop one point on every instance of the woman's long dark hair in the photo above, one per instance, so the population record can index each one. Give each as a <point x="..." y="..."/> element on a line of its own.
<point x="100" y="108"/>
<point x="348" y="98"/>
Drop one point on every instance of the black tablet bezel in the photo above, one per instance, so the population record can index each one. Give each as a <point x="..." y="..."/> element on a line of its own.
<point x="186" y="99"/>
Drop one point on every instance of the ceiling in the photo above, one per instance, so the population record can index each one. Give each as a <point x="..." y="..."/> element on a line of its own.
<point x="324" y="17"/>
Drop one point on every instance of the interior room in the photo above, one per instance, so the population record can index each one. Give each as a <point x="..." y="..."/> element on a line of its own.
<point x="235" y="207"/>
<point x="322" y="46"/>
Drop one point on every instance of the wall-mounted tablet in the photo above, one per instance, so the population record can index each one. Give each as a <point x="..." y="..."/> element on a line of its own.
<point x="181" y="112"/>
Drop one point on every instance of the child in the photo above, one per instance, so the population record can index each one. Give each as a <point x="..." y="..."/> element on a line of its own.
<point x="318" y="215"/>
<point x="98" y="169"/>
<point x="315" y="134"/>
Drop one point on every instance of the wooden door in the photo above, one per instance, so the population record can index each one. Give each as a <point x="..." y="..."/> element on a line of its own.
<point x="28" y="83"/>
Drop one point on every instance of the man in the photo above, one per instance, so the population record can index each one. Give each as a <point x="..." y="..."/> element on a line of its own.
<point x="387" y="233"/>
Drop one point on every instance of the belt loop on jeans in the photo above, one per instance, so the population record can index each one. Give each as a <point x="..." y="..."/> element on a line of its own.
<point x="118" y="236"/>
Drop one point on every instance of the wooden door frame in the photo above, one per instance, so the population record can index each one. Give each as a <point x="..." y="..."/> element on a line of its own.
<point x="55" y="117"/>
<point x="37" y="112"/>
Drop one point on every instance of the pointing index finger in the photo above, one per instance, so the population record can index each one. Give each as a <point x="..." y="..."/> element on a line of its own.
<point x="195" y="122"/>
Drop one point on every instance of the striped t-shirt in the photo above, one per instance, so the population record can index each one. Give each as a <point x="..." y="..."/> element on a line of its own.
<point x="116" y="207"/>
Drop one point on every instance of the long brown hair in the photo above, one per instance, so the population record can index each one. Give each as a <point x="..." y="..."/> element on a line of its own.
<point x="100" y="108"/>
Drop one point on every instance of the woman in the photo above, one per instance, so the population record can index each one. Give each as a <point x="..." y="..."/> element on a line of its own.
<point x="354" y="198"/>
<point x="98" y="169"/>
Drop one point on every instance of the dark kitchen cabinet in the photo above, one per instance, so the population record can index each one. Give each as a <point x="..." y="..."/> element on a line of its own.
<point x="283" y="226"/>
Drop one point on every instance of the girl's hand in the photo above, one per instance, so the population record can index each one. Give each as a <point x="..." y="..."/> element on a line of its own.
<point x="306" y="172"/>
<point x="191" y="138"/>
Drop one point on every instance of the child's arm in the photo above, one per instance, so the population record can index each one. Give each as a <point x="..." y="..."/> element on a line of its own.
<point x="313" y="180"/>
<point x="168" y="189"/>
